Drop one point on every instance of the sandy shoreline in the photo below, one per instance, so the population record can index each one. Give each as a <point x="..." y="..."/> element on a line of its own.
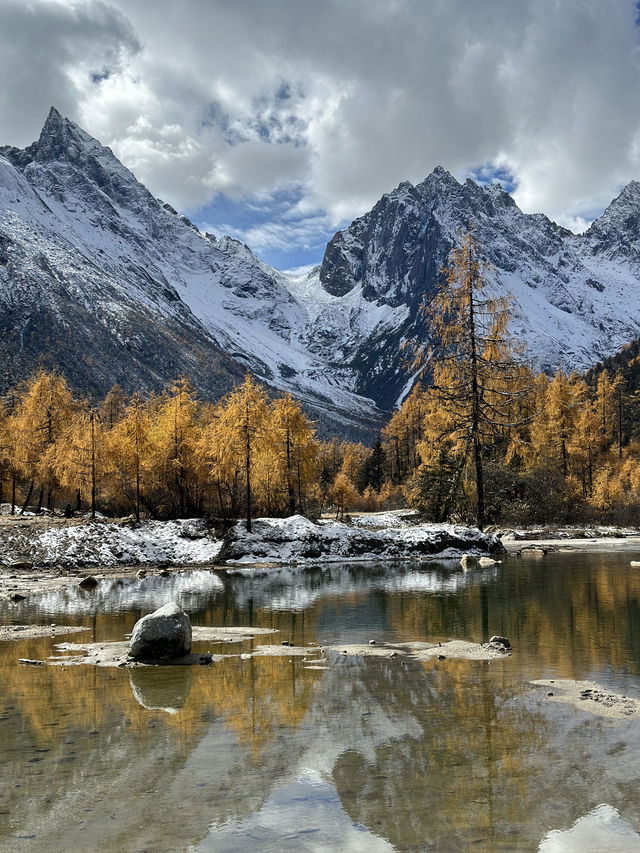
<point x="588" y="696"/>
<point x="570" y="539"/>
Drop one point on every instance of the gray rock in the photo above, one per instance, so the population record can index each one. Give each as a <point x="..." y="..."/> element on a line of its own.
<point x="162" y="635"/>
<point x="193" y="528"/>
<point x="468" y="561"/>
<point x="88" y="583"/>
<point x="500" y="641"/>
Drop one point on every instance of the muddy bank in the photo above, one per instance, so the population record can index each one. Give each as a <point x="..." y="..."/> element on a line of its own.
<point x="455" y="649"/>
<point x="535" y="541"/>
<point x="588" y="696"/>
<point x="36" y="632"/>
<point x="44" y="543"/>
<point x="115" y="654"/>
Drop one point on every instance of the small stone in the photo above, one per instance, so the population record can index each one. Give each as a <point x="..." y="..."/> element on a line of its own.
<point x="372" y="642"/>
<point x="442" y="657"/>
<point x="468" y="561"/>
<point x="141" y="573"/>
<point x="88" y="583"/>
<point x="16" y="597"/>
<point x="501" y="641"/>
<point x="549" y="693"/>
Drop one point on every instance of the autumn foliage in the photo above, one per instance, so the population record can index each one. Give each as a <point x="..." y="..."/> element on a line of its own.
<point x="170" y="455"/>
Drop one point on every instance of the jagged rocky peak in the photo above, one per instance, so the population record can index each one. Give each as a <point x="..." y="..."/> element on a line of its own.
<point x="61" y="139"/>
<point x="617" y="232"/>
<point x="66" y="162"/>
<point x="395" y="251"/>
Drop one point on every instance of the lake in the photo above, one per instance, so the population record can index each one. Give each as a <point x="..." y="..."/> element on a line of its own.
<point x="268" y="754"/>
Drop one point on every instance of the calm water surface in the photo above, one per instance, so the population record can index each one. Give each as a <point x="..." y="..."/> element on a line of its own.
<point x="264" y="754"/>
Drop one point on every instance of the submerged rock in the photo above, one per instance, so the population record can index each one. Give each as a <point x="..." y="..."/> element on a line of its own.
<point x="162" y="635"/>
<point x="468" y="561"/>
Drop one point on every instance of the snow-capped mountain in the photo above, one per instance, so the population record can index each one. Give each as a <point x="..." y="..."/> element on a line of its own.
<point x="574" y="298"/>
<point x="110" y="284"/>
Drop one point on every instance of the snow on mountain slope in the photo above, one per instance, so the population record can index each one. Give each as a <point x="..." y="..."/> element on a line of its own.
<point x="574" y="299"/>
<point x="110" y="284"/>
<point x="87" y="252"/>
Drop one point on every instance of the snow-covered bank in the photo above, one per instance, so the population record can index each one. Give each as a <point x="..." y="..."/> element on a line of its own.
<point x="53" y="544"/>
<point x="103" y="543"/>
<point x="298" y="540"/>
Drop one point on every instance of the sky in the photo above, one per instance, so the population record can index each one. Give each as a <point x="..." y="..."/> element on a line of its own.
<point x="280" y="121"/>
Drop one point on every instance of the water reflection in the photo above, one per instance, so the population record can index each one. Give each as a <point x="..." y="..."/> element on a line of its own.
<point x="602" y="829"/>
<point x="370" y="754"/>
<point x="166" y="689"/>
<point x="193" y="590"/>
<point x="295" y="588"/>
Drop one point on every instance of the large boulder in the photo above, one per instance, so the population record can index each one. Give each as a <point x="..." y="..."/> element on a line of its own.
<point x="164" y="634"/>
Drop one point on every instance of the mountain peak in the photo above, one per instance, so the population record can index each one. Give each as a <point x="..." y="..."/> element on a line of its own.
<point x="54" y="115"/>
<point x="60" y="139"/>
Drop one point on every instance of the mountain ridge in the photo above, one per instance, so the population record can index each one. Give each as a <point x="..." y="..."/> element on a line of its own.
<point x="112" y="284"/>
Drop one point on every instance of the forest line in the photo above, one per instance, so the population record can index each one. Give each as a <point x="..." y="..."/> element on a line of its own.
<point x="571" y="457"/>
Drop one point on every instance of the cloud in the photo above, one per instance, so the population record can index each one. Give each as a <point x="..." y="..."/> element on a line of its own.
<point x="47" y="49"/>
<point x="342" y="100"/>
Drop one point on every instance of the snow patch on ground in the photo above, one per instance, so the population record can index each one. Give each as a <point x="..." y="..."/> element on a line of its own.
<point x="389" y="519"/>
<point x="179" y="543"/>
<point x="299" y="540"/>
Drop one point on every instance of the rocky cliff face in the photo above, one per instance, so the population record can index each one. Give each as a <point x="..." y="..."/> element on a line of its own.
<point x="103" y="280"/>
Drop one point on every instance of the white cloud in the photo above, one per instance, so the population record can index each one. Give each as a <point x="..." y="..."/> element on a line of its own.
<point x="344" y="99"/>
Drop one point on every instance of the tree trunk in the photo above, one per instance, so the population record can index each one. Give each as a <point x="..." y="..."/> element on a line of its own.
<point x="27" y="499"/>
<point x="620" y="424"/>
<point x="248" y="467"/>
<point x="93" y="466"/>
<point x="13" y="494"/>
<point x="475" y="410"/>
<point x="290" y="490"/>
<point x="137" y="477"/>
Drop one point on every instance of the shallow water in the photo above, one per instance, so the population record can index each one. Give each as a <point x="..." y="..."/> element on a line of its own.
<point x="366" y="755"/>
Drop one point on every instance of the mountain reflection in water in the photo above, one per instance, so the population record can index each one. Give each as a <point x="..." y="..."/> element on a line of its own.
<point x="369" y="754"/>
